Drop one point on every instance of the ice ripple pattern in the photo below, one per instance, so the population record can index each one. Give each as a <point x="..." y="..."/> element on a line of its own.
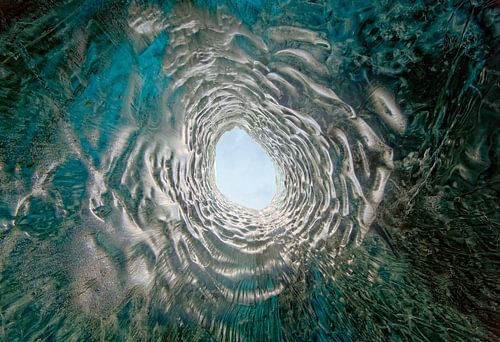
<point x="221" y="75"/>
<point x="118" y="212"/>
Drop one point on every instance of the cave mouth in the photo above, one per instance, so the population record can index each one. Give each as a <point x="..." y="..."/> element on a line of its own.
<point x="244" y="172"/>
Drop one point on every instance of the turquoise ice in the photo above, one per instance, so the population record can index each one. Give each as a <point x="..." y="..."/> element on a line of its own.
<point x="138" y="138"/>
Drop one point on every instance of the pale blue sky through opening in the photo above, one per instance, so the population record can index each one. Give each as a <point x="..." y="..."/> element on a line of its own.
<point x="244" y="172"/>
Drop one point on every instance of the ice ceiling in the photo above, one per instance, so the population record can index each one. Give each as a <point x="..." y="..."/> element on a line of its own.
<point x="137" y="138"/>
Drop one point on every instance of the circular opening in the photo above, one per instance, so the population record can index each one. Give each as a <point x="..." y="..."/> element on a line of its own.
<point x="244" y="172"/>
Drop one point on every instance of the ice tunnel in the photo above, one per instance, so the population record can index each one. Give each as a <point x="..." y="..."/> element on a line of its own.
<point x="249" y="170"/>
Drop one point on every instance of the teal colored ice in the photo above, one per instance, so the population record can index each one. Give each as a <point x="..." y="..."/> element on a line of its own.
<point x="249" y="170"/>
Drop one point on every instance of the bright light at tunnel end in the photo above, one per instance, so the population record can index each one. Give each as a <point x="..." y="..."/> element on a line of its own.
<point x="244" y="172"/>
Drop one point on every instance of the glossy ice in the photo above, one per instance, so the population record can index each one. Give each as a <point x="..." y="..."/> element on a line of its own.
<point x="380" y="119"/>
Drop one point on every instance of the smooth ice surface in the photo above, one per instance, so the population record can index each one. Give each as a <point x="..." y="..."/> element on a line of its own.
<point x="244" y="172"/>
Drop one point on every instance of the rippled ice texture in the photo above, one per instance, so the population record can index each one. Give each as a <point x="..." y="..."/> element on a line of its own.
<point x="381" y="118"/>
